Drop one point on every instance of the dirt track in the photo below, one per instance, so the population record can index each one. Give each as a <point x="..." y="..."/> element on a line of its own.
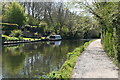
<point x="94" y="63"/>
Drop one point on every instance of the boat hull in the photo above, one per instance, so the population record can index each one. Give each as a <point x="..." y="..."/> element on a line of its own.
<point x="55" y="39"/>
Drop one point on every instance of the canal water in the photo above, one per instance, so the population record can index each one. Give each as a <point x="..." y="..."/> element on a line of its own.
<point x="33" y="59"/>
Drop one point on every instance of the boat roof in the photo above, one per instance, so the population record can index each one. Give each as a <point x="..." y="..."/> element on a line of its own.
<point x="56" y="35"/>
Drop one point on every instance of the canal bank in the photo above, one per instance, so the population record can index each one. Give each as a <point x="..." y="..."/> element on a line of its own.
<point x="67" y="68"/>
<point x="94" y="63"/>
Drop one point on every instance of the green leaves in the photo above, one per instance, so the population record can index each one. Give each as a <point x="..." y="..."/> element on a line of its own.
<point x="43" y="27"/>
<point x="109" y="22"/>
<point x="16" y="33"/>
<point x="15" y="13"/>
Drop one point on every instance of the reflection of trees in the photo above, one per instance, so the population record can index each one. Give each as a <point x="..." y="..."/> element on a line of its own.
<point x="39" y="58"/>
<point x="13" y="50"/>
<point x="47" y="60"/>
<point x="12" y="65"/>
<point x="49" y="57"/>
<point x="72" y="44"/>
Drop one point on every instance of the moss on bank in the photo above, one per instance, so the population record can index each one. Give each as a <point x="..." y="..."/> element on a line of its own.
<point x="67" y="68"/>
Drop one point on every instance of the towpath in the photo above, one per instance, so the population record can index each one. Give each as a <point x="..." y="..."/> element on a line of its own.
<point x="94" y="63"/>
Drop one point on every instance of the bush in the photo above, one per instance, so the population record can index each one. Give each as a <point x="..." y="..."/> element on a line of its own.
<point x="15" y="13"/>
<point x="42" y="27"/>
<point x="7" y="38"/>
<point x="8" y="27"/>
<point x="20" y="38"/>
<point x="108" y="44"/>
<point x="32" y="21"/>
<point x="16" y="33"/>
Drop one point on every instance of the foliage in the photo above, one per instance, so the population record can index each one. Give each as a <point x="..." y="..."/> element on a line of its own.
<point x="7" y="38"/>
<point x="67" y="67"/>
<point x="16" y="33"/>
<point x="107" y="14"/>
<point x="117" y="34"/>
<point x="59" y="19"/>
<point x="31" y="39"/>
<point x="32" y="21"/>
<point x="6" y="24"/>
<point x="15" y="13"/>
<point x="108" y="44"/>
<point x="42" y="27"/>
<point x="53" y="17"/>
<point x="8" y="27"/>
<point x="110" y="10"/>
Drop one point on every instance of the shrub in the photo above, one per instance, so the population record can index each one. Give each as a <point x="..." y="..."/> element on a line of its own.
<point x="7" y="38"/>
<point x="43" y="27"/>
<point x="32" y="21"/>
<point x="16" y="33"/>
<point x="108" y="44"/>
<point x="8" y="27"/>
<point x="15" y="13"/>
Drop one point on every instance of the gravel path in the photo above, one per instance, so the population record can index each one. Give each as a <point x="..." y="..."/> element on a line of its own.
<point x="94" y="63"/>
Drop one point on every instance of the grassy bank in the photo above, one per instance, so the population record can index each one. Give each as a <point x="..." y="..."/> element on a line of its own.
<point x="110" y="46"/>
<point x="67" y="67"/>
<point x="7" y="38"/>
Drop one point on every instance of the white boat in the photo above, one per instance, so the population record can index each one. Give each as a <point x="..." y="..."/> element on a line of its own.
<point x="55" y="37"/>
<point x="54" y="43"/>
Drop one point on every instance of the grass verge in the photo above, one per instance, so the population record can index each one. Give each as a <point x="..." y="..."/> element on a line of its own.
<point x="7" y="38"/>
<point x="68" y="66"/>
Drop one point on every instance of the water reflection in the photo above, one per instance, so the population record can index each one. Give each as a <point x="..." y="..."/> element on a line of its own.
<point x="54" y="43"/>
<point x="28" y="60"/>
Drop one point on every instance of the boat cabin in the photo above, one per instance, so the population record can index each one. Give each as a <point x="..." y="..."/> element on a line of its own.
<point x="55" y="37"/>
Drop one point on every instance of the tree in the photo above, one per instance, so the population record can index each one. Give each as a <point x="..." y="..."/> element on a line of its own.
<point x="42" y="28"/>
<point x="59" y="19"/>
<point x="15" y="13"/>
<point x="107" y="14"/>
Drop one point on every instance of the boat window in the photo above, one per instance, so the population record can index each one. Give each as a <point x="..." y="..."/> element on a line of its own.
<point x="52" y="36"/>
<point x="58" y="36"/>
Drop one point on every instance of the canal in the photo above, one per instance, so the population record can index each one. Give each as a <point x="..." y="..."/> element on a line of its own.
<point x="33" y="59"/>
